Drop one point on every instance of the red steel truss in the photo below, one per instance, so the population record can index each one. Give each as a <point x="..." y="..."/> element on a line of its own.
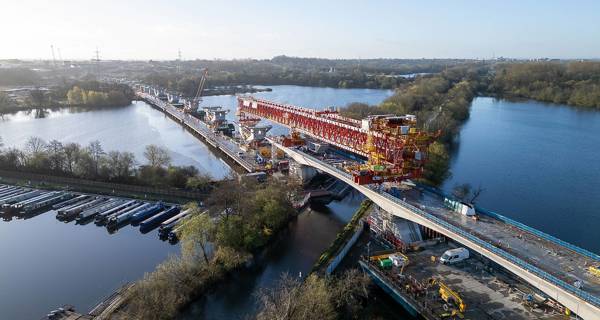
<point x="387" y="146"/>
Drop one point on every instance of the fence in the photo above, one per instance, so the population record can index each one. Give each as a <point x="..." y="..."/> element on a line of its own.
<point x="522" y="226"/>
<point x="340" y="256"/>
<point x="106" y="187"/>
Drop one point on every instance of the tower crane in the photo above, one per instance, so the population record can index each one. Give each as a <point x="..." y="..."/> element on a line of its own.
<point x="192" y="105"/>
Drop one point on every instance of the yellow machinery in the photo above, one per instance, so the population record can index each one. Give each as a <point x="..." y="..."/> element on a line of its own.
<point x="595" y="270"/>
<point x="451" y="297"/>
<point x="396" y="150"/>
<point x="265" y="152"/>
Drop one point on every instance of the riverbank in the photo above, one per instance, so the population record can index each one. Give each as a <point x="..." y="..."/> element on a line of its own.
<point x="342" y="242"/>
<point x="215" y="242"/>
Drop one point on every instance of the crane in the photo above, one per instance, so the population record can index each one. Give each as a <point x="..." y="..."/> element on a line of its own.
<point x="451" y="297"/>
<point x="198" y="97"/>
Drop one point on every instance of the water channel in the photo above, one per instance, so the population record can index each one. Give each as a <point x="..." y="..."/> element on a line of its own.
<point x="46" y="263"/>
<point x="538" y="163"/>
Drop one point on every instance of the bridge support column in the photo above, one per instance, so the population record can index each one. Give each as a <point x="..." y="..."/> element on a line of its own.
<point x="305" y="173"/>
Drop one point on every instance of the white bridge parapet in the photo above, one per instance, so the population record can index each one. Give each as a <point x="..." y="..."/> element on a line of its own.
<point x="580" y="302"/>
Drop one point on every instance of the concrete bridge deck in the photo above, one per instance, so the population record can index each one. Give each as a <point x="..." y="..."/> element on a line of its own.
<point x="497" y="241"/>
<point x="228" y="147"/>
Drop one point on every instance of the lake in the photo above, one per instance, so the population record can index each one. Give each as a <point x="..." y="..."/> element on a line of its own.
<point x="46" y="263"/>
<point x="133" y="127"/>
<point x="539" y="163"/>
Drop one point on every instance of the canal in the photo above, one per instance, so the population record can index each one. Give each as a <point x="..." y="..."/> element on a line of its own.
<point x="539" y="163"/>
<point x="47" y="263"/>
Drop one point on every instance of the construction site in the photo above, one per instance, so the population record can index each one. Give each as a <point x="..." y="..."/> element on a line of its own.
<point x="471" y="289"/>
<point x="514" y="271"/>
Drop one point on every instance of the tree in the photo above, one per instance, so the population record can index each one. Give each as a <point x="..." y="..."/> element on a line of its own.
<point x="197" y="232"/>
<point x="38" y="98"/>
<point x="466" y="193"/>
<point x="118" y="164"/>
<point x="96" y="152"/>
<point x="5" y="102"/>
<point x="157" y="156"/>
<point x="199" y="181"/>
<point x="72" y="152"/>
<point x="35" y="145"/>
<point x="293" y="300"/>
<point x="437" y="168"/>
<point x="56" y="155"/>
<point x="14" y="158"/>
<point x="75" y="96"/>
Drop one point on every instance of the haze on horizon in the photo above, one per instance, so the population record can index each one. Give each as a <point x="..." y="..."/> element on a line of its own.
<point x="334" y="29"/>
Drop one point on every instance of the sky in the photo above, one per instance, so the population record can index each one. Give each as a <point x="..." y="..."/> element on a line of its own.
<point x="144" y="30"/>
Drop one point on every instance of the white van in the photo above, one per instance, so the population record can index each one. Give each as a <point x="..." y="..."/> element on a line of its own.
<point x="454" y="255"/>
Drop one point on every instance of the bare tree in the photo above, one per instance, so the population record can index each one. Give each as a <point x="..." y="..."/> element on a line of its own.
<point x="35" y="145"/>
<point x="476" y="193"/>
<point x="126" y="164"/>
<point x="292" y="299"/>
<point x="466" y="193"/>
<point x="157" y="156"/>
<point x="72" y="153"/>
<point x="462" y="191"/>
<point x="96" y="152"/>
<point x="14" y="158"/>
<point x="56" y="155"/>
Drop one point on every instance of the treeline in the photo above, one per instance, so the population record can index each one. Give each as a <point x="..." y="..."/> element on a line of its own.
<point x="441" y="102"/>
<point x="93" y="163"/>
<point x="341" y="297"/>
<point x="575" y="83"/>
<point x="241" y="219"/>
<point x="282" y="70"/>
<point x="6" y="103"/>
<point x="95" y="94"/>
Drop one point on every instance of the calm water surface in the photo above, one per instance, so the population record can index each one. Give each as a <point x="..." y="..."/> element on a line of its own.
<point x="538" y="163"/>
<point x="133" y="127"/>
<point x="45" y="263"/>
<point x="307" y="237"/>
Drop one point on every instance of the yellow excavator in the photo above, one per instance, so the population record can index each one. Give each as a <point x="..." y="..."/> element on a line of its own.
<point x="452" y="298"/>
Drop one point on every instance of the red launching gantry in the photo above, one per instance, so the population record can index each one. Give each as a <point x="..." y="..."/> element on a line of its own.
<point x="394" y="148"/>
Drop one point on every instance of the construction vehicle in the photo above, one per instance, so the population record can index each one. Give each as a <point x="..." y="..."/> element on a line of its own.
<point x="455" y="305"/>
<point x="192" y="105"/>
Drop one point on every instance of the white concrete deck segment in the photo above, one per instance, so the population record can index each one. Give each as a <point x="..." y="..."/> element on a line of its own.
<point x="581" y="302"/>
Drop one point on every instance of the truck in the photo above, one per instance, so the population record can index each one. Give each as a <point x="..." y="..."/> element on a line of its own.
<point x="454" y="255"/>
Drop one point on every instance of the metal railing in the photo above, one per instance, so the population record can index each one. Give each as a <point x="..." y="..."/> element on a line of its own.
<point x="522" y="226"/>
<point x="517" y="261"/>
<point x="209" y="136"/>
